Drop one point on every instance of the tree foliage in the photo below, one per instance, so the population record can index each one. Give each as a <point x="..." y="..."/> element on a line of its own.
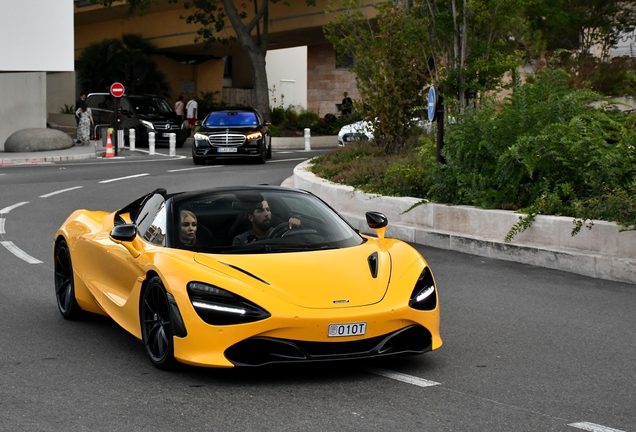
<point x="106" y="62"/>
<point x="468" y="46"/>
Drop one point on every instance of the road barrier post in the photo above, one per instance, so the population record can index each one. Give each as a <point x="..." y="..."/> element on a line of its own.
<point x="307" y="139"/>
<point x="151" y="143"/>
<point x="131" y="139"/>
<point x="173" y="144"/>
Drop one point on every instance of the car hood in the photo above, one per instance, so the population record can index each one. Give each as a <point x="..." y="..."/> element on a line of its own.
<point x="317" y="279"/>
<point x="223" y="129"/>
<point x="159" y="117"/>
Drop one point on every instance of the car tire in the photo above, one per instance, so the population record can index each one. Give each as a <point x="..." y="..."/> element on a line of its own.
<point x="156" y="325"/>
<point x="65" y="283"/>
<point x="180" y="144"/>
<point x="269" y="149"/>
<point x="262" y="157"/>
<point x="198" y="160"/>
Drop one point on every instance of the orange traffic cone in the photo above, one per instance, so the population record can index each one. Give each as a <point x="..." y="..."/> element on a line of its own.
<point x="109" y="148"/>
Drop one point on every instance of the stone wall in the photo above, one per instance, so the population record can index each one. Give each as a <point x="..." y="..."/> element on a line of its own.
<point x="325" y="83"/>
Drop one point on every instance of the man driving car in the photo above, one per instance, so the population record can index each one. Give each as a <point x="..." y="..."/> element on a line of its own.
<point x="261" y="219"/>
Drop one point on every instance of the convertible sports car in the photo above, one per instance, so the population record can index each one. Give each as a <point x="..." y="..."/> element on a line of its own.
<point x="168" y="269"/>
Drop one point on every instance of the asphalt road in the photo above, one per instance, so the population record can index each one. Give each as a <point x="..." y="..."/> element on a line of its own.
<point x="525" y="348"/>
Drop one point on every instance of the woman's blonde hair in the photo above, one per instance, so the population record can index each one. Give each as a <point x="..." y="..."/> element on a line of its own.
<point x="184" y="214"/>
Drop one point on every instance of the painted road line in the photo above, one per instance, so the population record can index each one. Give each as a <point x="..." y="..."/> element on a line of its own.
<point x="8" y="209"/>
<point x="194" y="168"/>
<point x="286" y="160"/>
<point x="2" y="226"/>
<point x="409" y="379"/>
<point x="60" y="191"/>
<point x="20" y="253"/>
<point x="593" y="427"/>
<point x="124" y="178"/>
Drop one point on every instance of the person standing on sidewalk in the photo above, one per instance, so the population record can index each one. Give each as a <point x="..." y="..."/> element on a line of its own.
<point x="178" y="107"/>
<point x="85" y="123"/>
<point x="191" y="112"/>
<point x="78" y="105"/>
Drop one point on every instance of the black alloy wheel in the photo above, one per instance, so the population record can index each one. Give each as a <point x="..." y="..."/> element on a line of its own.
<point x="64" y="283"/>
<point x="269" y="149"/>
<point x="156" y="325"/>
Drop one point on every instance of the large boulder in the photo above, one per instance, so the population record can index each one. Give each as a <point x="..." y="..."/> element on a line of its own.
<point x="37" y="139"/>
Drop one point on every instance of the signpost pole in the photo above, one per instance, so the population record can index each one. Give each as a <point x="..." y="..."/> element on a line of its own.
<point x="440" y="125"/>
<point x="117" y="90"/>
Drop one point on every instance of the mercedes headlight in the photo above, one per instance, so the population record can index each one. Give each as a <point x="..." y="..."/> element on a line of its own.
<point x="253" y="136"/>
<point x="148" y="124"/>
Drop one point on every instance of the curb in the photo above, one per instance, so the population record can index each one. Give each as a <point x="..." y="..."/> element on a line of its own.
<point x="448" y="227"/>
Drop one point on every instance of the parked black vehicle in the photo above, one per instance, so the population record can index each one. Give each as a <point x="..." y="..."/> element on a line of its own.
<point x="232" y="132"/>
<point x="145" y="113"/>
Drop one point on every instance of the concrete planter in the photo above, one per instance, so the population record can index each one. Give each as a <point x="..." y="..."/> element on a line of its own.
<point x="602" y="252"/>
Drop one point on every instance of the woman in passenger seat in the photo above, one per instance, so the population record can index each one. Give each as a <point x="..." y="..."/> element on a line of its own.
<point x="188" y="228"/>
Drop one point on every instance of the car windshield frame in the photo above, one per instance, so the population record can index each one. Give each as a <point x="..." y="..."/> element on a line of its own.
<point x="150" y="105"/>
<point x="221" y="215"/>
<point x="224" y="119"/>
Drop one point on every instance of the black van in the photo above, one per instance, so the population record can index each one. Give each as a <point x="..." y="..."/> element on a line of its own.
<point x="145" y="113"/>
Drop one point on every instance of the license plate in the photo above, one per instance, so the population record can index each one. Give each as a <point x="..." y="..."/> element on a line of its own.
<point x="349" y="329"/>
<point x="165" y="135"/>
<point x="227" y="150"/>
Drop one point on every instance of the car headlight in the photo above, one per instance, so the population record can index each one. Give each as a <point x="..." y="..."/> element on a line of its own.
<point x="200" y="137"/>
<point x="424" y="296"/>
<point x="148" y="124"/>
<point x="217" y="306"/>
<point x="253" y="136"/>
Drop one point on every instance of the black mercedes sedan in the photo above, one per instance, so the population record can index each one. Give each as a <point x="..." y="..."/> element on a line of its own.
<point x="232" y="132"/>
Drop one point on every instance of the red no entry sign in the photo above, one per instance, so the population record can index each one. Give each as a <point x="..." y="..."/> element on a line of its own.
<point x="117" y="89"/>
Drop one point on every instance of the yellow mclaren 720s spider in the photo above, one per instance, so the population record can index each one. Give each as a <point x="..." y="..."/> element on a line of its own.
<point x="246" y="276"/>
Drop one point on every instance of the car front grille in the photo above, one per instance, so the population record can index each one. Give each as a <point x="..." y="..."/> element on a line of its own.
<point x="261" y="351"/>
<point x="166" y="126"/>
<point x="226" y="140"/>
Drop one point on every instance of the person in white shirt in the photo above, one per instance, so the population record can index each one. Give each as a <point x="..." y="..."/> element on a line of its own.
<point x="191" y="111"/>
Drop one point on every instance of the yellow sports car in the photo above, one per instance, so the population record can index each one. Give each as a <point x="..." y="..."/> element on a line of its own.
<point x="246" y="276"/>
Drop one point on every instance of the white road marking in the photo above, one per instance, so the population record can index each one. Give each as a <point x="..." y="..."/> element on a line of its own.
<point x="124" y="178"/>
<point x="593" y="427"/>
<point x="286" y="160"/>
<point x="195" y="168"/>
<point x="8" y="209"/>
<point x="60" y="191"/>
<point x="409" y="379"/>
<point x="2" y="225"/>
<point x="20" y="253"/>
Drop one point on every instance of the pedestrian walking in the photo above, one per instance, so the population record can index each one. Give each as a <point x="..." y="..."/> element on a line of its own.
<point x="179" y="107"/>
<point x="78" y="104"/>
<point x="191" y="112"/>
<point x="85" y="123"/>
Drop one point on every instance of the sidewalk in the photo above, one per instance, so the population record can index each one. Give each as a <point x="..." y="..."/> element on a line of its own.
<point x="73" y="153"/>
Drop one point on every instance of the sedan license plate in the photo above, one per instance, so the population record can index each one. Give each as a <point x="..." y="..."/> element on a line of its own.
<point x="165" y="135"/>
<point x="349" y="329"/>
<point x="227" y="150"/>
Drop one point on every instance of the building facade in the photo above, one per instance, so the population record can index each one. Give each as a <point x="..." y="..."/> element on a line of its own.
<point x="192" y="68"/>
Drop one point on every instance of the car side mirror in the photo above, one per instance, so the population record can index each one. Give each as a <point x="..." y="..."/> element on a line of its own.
<point x="268" y="123"/>
<point x="126" y="235"/>
<point x="378" y="222"/>
<point x="127" y="232"/>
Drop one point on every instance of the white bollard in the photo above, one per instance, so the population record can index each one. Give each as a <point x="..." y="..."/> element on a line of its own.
<point x="173" y="144"/>
<point x="151" y="143"/>
<point x="307" y="139"/>
<point x="120" y="139"/>
<point x="131" y="139"/>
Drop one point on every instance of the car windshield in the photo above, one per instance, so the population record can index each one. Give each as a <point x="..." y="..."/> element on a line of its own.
<point x="231" y="118"/>
<point x="258" y="221"/>
<point x="151" y="105"/>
